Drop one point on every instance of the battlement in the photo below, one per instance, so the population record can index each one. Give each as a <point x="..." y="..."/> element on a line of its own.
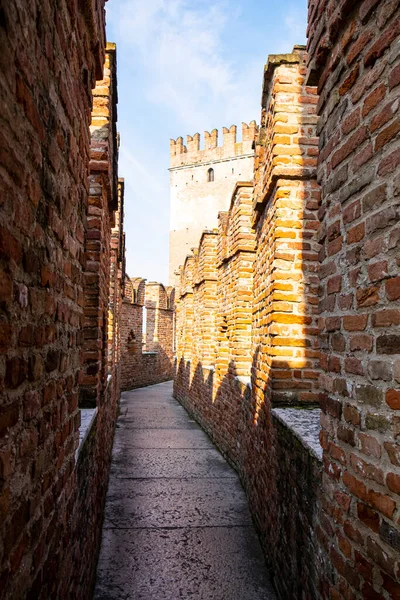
<point x="192" y="154"/>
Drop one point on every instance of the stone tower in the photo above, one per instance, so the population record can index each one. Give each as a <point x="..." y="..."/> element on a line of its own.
<point x="202" y="182"/>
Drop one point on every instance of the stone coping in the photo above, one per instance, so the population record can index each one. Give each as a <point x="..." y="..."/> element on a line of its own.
<point x="305" y="424"/>
<point x="88" y="419"/>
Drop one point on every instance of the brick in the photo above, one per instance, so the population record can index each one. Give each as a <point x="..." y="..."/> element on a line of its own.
<point x="355" y="486"/>
<point x="379" y="555"/>
<point x="363" y="566"/>
<point x="391" y="586"/>
<point x="350" y="80"/>
<point x="387" y="134"/>
<point x="358" y="46"/>
<point x="352" y="212"/>
<point x="393" y="482"/>
<point x="346" y="435"/>
<point x="394" y="453"/>
<point x="369" y="394"/>
<point x="378" y="270"/>
<point x="351" y="414"/>
<point x="8" y="417"/>
<point x="388" y="344"/>
<point x="379" y="47"/>
<point x="367" y="296"/>
<point x="373" y="99"/>
<point x="369" y="517"/>
<point x="373" y="198"/>
<point x="361" y="342"/>
<point x="356" y="233"/>
<point x="355" y="322"/>
<point x="394" y="77"/>
<point x="376" y="422"/>
<point x="393" y="399"/>
<point x="366" y="8"/>
<point x="379" y="369"/>
<point x="393" y="288"/>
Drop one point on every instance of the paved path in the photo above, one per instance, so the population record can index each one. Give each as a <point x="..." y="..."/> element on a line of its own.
<point x="177" y="523"/>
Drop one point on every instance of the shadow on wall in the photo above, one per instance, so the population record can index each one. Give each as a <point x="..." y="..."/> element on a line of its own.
<point x="147" y="323"/>
<point x="254" y="282"/>
<point x="280" y="473"/>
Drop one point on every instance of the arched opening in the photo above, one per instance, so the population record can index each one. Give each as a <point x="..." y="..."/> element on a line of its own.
<point x="210" y="175"/>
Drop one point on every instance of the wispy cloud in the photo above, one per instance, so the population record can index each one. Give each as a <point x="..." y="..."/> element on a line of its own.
<point x="294" y="31"/>
<point x="185" y="66"/>
<point x="179" y="41"/>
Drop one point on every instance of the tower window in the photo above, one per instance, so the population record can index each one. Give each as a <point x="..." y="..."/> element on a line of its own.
<point x="210" y="175"/>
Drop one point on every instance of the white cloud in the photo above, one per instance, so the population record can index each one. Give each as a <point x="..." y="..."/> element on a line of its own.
<point x="179" y="41"/>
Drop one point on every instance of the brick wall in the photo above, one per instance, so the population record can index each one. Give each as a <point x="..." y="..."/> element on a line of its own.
<point x="50" y="503"/>
<point x="146" y="354"/>
<point x="102" y="202"/>
<point x="355" y="60"/>
<point x="286" y="200"/>
<point x="343" y="247"/>
<point x="247" y="328"/>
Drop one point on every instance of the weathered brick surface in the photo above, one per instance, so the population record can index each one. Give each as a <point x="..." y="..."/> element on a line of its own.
<point x="342" y="246"/>
<point x="146" y="354"/>
<point x="285" y="343"/>
<point x="355" y="60"/>
<point x="101" y="204"/>
<point x="51" y="53"/>
<point x="247" y="328"/>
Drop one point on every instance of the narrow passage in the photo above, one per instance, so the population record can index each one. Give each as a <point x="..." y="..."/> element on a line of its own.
<point x="177" y="523"/>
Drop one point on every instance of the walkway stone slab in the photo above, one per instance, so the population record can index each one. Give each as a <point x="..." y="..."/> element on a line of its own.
<point x="176" y="503"/>
<point x="162" y="438"/>
<point x="152" y="418"/>
<point x="170" y="462"/>
<point x="215" y="563"/>
<point x="177" y="525"/>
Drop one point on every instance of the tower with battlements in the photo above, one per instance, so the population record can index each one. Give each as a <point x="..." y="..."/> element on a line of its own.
<point x="202" y="182"/>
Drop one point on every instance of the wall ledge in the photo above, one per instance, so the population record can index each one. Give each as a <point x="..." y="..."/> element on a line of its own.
<point x="305" y="424"/>
<point x="88" y="419"/>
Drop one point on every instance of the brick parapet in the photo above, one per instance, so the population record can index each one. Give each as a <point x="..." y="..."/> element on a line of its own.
<point x="146" y="359"/>
<point x="354" y="59"/>
<point x="50" y="503"/>
<point x="263" y="307"/>
<point x="285" y="338"/>
<point x="285" y="147"/>
<point x="103" y="179"/>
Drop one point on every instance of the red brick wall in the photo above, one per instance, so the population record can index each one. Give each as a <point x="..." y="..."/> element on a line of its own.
<point x="50" y="506"/>
<point x="247" y="314"/>
<point x="146" y="361"/>
<point x="101" y="204"/>
<point x="285" y="339"/>
<point x="355" y="60"/>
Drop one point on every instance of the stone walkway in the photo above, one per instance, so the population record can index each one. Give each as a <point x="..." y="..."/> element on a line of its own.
<point x="176" y="523"/>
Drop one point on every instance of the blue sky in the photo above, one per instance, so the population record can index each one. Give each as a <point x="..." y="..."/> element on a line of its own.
<point x="185" y="66"/>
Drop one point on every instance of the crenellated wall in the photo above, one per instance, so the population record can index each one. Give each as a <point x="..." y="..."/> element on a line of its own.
<point x="247" y="330"/>
<point x="147" y="330"/>
<point x="192" y="154"/>
<point x="102" y="202"/>
<point x="285" y="218"/>
<point x="322" y="269"/>
<point x="196" y="197"/>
